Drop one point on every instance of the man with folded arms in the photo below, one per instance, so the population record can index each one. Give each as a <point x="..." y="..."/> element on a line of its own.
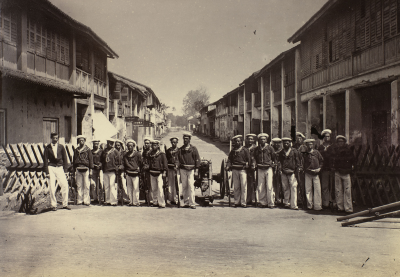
<point x="189" y="162"/>
<point x="158" y="167"/>
<point x="96" y="153"/>
<point x="109" y="160"/>
<point x="326" y="151"/>
<point x="83" y="166"/>
<point x="313" y="163"/>
<point x="250" y="145"/>
<point x="290" y="161"/>
<point x="132" y="163"/>
<point x="173" y="165"/>
<point x="264" y="161"/>
<point x="239" y="161"/>
<point x="277" y="145"/>
<point x="56" y="166"/>
<point x="145" y="156"/>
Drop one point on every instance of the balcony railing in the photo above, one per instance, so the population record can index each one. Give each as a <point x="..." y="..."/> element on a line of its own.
<point x="248" y="105"/>
<point x="100" y="87"/>
<point x="83" y="80"/>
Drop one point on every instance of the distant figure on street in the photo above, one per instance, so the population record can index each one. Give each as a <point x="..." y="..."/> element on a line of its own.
<point x="133" y="164"/>
<point x="313" y="162"/>
<point x="250" y="145"/>
<point x="96" y="153"/>
<point x="189" y="163"/>
<point x="83" y="166"/>
<point x="264" y="161"/>
<point x="277" y="180"/>
<point x="158" y="167"/>
<point x="56" y="166"/>
<point x="327" y="185"/>
<point x="290" y="162"/>
<point x="109" y="159"/>
<point x="343" y="165"/>
<point x="239" y="161"/>
<point x="173" y="166"/>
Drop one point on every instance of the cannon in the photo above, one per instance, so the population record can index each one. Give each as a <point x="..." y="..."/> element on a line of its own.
<point x="204" y="182"/>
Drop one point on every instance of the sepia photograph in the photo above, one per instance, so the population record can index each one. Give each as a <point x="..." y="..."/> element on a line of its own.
<point x="199" y="138"/>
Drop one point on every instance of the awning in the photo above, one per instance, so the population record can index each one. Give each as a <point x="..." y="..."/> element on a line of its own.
<point x="103" y="129"/>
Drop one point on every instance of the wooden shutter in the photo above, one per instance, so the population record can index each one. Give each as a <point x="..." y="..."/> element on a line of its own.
<point x="386" y="18"/>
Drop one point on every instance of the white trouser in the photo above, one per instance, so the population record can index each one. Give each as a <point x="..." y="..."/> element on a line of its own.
<point x="97" y="175"/>
<point x="265" y="187"/>
<point x="239" y="178"/>
<point x="157" y="188"/>
<point x="289" y="186"/>
<point x="57" y="173"/>
<point x="83" y="186"/>
<point x="187" y="177"/>
<point x="326" y="193"/>
<point x="110" y="187"/>
<point x="173" y="194"/>
<point x="313" y="197"/>
<point x="343" y="192"/>
<point x="133" y="189"/>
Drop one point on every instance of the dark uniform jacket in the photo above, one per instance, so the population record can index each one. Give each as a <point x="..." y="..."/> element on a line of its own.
<point x="172" y="157"/>
<point x="291" y="162"/>
<point x="326" y="152"/>
<point x="264" y="157"/>
<point x="97" y="158"/>
<point x="189" y="156"/>
<point x="133" y="161"/>
<point x="120" y="160"/>
<point x="343" y="159"/>
<point x="157" y="162"/>
<point x="83" y="157"/>
<point x="239" y="158"/>
<point x="51" y="160"/>
<point x="312" y="160"/>
<point x="110" y="159"/>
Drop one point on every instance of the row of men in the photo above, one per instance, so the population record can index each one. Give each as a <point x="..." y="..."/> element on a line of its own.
<point x="125" y="168"/>
<point x="294" y="163"/>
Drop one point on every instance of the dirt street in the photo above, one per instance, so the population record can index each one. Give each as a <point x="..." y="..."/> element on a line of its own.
<point x="212" y="241"/>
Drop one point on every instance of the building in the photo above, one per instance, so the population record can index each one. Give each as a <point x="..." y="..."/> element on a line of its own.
<point x="349" y="71"/>
<point x="53" y="73"/>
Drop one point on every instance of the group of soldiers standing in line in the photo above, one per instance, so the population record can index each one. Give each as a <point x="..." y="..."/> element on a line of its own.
<point x="260" y="172"/>
<point x="113" y="167"/>
<point x="269" y="170"/>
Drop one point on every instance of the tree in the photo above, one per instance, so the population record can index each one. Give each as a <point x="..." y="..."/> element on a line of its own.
<point x="194" y="101"/>
<point x="164" y="107"/>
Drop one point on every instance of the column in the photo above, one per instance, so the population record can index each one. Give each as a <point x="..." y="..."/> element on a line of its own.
<point x="22" y="63"/>
<point x="353" y="122"/>
<point x="394" y="125"/>
<point x="262" y="105"/>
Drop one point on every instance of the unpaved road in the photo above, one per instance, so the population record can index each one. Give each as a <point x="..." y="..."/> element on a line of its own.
<point x="212" y="241"/>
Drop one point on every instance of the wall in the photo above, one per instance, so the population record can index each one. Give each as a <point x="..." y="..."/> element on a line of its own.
<point x="27" y="105"/>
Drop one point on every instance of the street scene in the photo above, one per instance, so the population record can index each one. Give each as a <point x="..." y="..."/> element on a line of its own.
<point x="199" y="138"/>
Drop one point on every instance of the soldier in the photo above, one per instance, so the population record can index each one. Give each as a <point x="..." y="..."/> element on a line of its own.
<point x="264" y="161"/>
<point x="301" y="148"/>
<point x="119" y="146"/>
<point x="158" y="167"/>
<point x="189" y="162"/>
<point x="299" y="144"/>
<point x="326" y="176"/>
<point x="290" y="162"/>
<point x="251" y="146"/>
<point x="343" y="165"/>
<point x="96" y="153"/>
<point x="132" y="164"/>
<point x="83" y="166"/>
<point x="145" y="157"/>
<point x="109" y="159"/>
<point x="56" y="166"/>
<point x="239" y="161"/>
<point x="277" y="145"/>
<point x="173" y="165"/>
<point x="313" y="163"/>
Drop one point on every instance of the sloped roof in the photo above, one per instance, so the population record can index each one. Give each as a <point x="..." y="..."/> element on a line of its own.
<point x="43" y="81"/>
<point x="130" y="83"/>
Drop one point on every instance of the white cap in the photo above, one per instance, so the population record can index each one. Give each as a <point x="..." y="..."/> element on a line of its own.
<point x="326" y="131"/>
<point x="300" y="134"/>
<point x="262" y="135"/>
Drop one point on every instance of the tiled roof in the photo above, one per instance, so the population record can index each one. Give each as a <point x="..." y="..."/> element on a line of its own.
<point x="39" y="80"/>
<point x="143" y="90"/>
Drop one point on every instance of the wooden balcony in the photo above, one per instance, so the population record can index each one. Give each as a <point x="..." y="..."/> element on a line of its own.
<point x="83" y="80"/>
<point x="100" y="87"/>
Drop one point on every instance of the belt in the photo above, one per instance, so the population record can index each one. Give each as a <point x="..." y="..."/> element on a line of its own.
<point x="238" y="166"/>
<point x="132" y="173"/>
<point x="171" y="166"/>
<point x="82" y="169"/>
<point x="187" y="167"/>
<point x="263" y="166"/>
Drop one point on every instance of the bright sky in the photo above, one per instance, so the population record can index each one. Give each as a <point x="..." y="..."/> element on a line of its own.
<point x="174" y="46"/>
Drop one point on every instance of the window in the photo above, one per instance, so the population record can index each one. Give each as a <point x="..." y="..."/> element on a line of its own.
<point x="2" y="127"/>
<point x="82" y="56"/>
<point x="47" y="42"/>
<point x="100" y="66"/>
<point x="8" y="24"/>
<point x="50" y="125"/>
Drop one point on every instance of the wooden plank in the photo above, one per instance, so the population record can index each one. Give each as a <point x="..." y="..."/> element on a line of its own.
<point x="392" y="189"/>
<point x="358" y="153"/>
<point x="373" y="157"/>
<point x="397" y="157"/>
<point x="361" y="192"/>
<point x="8" y="155"/>
<point x="15" y="156"/>
<point x="35" y="155"/>
<point x="365" y="157"/>
<point x="376" y="189"/>
<point x="3" y="177"/>
<point x="22" y="155"/>
<point x="379" y="160"/>
<point x="384" y="183"/>
<point x="369" y="192"/>
<point x="27" y="154"/>
<point x="69" y="153"/>
<point x="390" y="157"/>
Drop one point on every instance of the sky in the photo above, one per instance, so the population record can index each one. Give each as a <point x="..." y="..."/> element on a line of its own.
<point x="174" y="46"/>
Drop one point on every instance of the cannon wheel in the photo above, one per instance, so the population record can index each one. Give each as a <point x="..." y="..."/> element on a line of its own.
<point x="224" y="179"/>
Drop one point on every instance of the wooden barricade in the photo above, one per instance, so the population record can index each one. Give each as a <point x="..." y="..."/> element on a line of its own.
<point x="25" y="181"/>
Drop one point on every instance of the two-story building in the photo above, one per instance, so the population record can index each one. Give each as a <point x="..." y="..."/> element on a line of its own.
<point x="53" y="73"/>
<point x="350" y="70"/>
